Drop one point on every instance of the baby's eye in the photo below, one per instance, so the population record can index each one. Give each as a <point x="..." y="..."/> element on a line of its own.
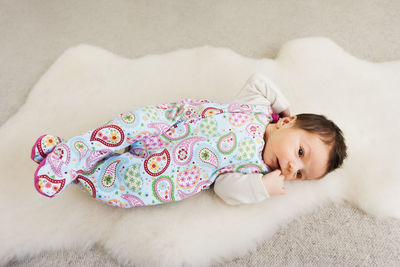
<point x="300" y="152"/>
<point x="298" y="174"/>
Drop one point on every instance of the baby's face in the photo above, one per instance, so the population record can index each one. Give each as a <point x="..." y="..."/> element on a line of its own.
<point x="297" y="153"/>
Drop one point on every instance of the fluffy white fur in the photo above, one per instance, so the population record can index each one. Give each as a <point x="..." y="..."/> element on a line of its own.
<point x="87" y="86"/>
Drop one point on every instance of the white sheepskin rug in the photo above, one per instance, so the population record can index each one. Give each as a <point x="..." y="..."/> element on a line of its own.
<point x="87" y="86"/>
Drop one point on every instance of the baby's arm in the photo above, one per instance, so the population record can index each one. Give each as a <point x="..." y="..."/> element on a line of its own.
<point x="238" y="188"/>
<point x="259" y="89"/>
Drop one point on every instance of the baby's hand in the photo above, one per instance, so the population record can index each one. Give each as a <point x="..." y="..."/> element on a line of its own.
<point x="274" y="183"/>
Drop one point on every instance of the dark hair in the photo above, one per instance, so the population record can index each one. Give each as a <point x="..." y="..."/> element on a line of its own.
<point x="329" y="133"/>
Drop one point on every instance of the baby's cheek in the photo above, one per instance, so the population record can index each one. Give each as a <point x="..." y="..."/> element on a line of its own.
<point x="264" y="157"/>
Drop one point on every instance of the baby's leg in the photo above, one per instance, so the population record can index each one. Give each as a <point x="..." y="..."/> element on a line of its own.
<point x="119" y="181"/>
<point x="82" y="153"/>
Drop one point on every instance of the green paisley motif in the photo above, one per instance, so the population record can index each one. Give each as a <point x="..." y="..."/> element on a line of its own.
<point x="132" y="178"/>
<point x="227" y="143"/>
<point x="151" y="112"/>
<point x="247" y="149"/>
<point x="208" y="126"/>
<point x="238" y="168"/>
<point x="155" y="188"/>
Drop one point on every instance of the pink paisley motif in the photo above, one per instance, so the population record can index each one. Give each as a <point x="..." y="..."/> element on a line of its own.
<point x="227" y="169"/>
<point x="238" y="119"/>
<point x="82" y="148"/>
<point x="153" y="143"/>
<point x="183" y="151"/>
<point x="161" y="127"/>
<point x="95" y="156"/>
<point x="194" y="102"/>
<point x="208" y="157"/>
<point x="236" y="107"/>
<point x="104" y="136"/>
<point x="200" y="187"/>
<point x="255" y="129"/>
<point x="163" y="188"/>
<point x="157" y="163"/>
<point x="133" y="201"/>
<point x="211" y="111"/>
<point x="60" y="156"/>
<point x="139" y="137"/>
<point x="188" y="179"/>
<point x="110" y="174"/>
<point x="176" y="133"/>
<point x="87" y="184"/>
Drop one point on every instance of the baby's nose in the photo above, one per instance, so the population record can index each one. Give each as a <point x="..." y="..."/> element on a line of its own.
<point x="290" y="172"/>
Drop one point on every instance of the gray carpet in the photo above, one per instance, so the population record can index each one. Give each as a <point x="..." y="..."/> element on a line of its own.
<point x="34" y="33"/>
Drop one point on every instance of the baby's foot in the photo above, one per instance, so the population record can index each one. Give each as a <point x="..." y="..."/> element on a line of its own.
<point x="43" y="146"/>
<point x="50" y="177"/>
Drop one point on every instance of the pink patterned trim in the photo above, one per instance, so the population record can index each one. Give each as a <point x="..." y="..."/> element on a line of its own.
<point x="34" y="146"/>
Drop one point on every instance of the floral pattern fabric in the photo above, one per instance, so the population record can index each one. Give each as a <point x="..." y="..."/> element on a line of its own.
<point x="175" y="150"/>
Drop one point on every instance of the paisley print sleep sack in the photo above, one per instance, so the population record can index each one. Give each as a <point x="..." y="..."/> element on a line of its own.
<point x="174" y="151"/>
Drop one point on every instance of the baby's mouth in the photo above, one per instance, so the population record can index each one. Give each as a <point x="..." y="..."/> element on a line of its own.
<point x="277" y="163"/>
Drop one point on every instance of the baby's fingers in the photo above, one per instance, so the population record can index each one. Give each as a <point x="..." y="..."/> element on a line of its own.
<point x="277" y="171"/>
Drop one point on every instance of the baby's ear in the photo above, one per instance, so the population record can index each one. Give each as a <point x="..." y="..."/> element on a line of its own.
<point x="286" y="121"/>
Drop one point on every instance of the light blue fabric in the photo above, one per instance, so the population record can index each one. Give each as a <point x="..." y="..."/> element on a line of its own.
<point x="175" y="151"/>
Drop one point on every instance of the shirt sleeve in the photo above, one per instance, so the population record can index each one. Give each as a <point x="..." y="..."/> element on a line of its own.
<point x="238" y="188"/>
<point x="259" y="89"/>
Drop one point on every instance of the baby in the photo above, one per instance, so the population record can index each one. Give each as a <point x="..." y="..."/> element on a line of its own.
<point x="172" y="151"/>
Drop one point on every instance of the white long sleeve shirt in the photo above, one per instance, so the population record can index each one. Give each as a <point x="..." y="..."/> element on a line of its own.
<point x="238" y="188"/>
